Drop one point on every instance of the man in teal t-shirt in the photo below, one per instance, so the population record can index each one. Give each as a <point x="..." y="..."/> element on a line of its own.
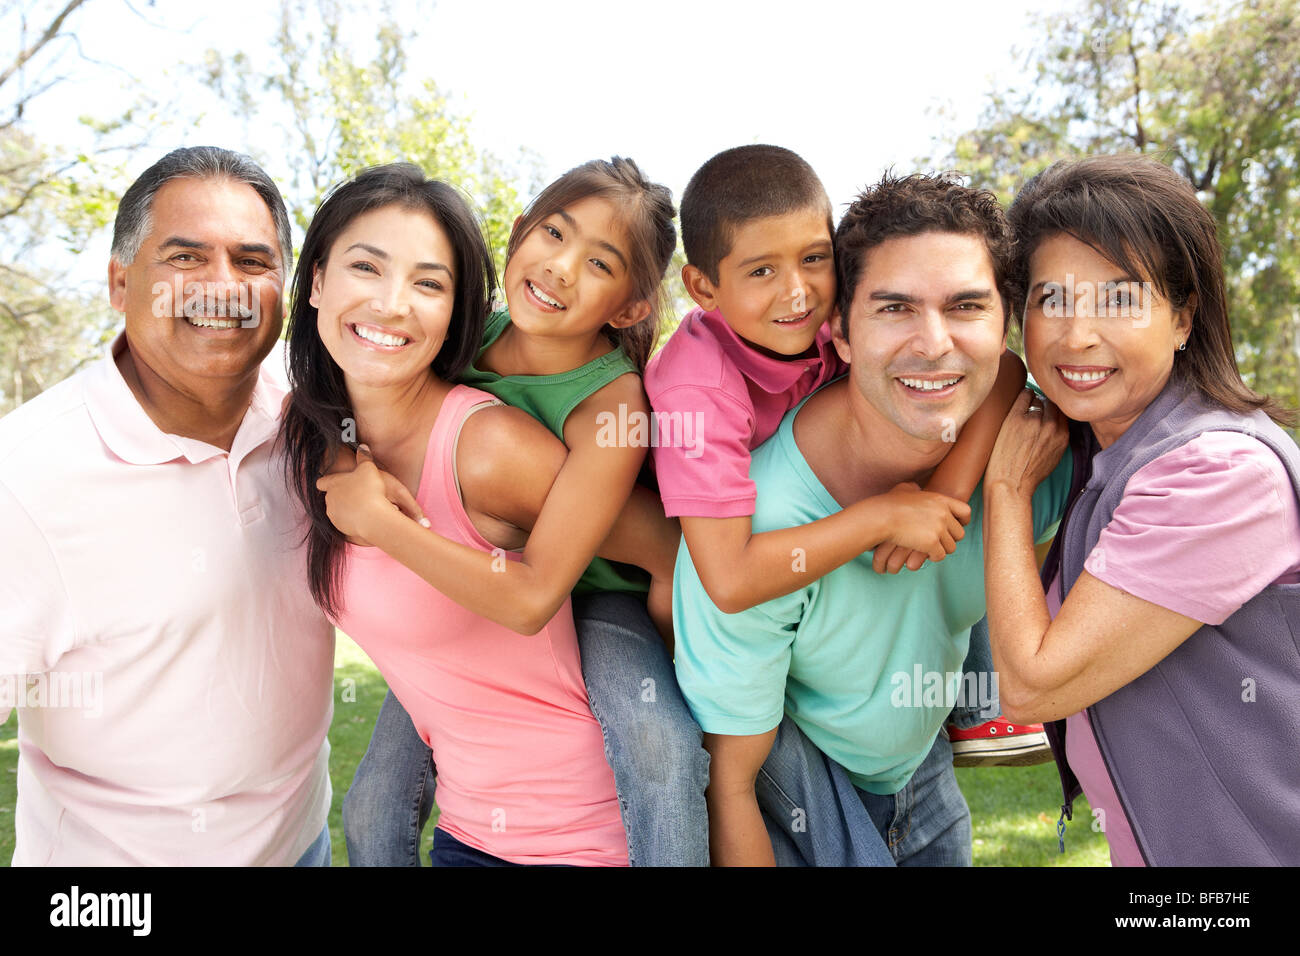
<point x="856" y="666"/>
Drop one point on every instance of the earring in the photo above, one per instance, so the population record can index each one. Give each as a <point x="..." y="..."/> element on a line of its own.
<point x="1182" y="346"/>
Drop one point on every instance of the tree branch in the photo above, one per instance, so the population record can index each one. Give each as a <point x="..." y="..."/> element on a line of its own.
<point x="50" y="33"/>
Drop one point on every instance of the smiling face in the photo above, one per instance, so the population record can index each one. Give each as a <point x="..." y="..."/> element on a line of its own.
<point x="384" y="296"/>
<point x="926" y="332"/>
<point x="1094" y="350"/>
<point x="776" y="287"/>
<point x="202" y="298"/>
<point x="569" y="276"/>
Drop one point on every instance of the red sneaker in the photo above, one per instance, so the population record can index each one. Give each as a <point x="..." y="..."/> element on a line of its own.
<point x="999" y="743"/>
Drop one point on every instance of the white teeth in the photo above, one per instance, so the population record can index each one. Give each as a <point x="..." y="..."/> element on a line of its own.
<point x="379" y="338"/>
<point x="792" y="319"/>
<point x="925" y="386"/>
<point x="1084" y="376"/>
<point x="544" y="297"/>
<point x="206" y="322"/>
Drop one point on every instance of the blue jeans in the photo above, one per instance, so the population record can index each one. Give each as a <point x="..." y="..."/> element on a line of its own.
<point x="448" y="851"/>
<point x="319" y="853"/>
<point x="979" y="660"/>
<point x="391" y="796"/>
<point x="652" y="743"/>
<point x="816" y="817"/>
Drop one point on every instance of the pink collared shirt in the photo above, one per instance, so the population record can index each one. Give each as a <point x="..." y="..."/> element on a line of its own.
<point x="730" y="398"/>
<point x="179" y="675"/>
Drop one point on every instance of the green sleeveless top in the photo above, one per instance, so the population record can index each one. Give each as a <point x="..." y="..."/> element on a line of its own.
<point x="550" y="399"/>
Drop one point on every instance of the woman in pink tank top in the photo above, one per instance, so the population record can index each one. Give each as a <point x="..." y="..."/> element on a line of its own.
<point x="388" y="307"/>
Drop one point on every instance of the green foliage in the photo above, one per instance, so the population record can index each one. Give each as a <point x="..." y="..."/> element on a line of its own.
<point x="52" y="201"/>
<point x="343" y="111"/>
<point x="1217" y="97"/>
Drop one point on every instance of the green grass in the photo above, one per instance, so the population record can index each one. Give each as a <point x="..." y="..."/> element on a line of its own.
<point x="1014" y="809"/>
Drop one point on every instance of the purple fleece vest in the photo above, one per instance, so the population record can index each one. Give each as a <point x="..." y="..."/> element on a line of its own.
<point x="1206" y="774"/>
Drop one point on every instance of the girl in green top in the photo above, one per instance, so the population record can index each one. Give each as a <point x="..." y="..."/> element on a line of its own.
<point x="582" y="283"/>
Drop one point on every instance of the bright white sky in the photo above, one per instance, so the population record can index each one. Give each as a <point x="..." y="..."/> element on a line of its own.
<point x="853" y="87"/>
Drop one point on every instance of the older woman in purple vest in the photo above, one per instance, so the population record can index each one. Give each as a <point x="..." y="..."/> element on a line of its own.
<point x="1164" y="656"/>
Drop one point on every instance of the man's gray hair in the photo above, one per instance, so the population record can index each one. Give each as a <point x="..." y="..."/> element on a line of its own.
<point x="134" y="212"/>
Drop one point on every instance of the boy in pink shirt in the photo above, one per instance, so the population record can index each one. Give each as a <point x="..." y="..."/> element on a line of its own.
<point x="756" y="224"/>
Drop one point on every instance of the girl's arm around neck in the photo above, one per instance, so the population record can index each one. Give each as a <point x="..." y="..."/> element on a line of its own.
<point x="518" y="481"/>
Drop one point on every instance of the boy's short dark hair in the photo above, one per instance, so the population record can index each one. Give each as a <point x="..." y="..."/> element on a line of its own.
<point x="908" y="206"/>
<point x="737" y="186"/>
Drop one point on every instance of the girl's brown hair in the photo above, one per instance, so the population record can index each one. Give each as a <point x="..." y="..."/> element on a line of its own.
<point x="1145" y="218"/>
<point x="647" y="213"/>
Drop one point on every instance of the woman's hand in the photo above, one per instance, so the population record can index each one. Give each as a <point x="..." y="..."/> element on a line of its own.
<point x="1029" y="446"/>
<point x="358" y="500"/>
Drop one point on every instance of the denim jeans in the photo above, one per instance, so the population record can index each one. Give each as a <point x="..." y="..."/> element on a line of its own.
<point x="391" y="796"/>
<point x="813" y="813"/>
<point x="816" y="817"/>
<point x="318" y="854"/>
<point x="979" y="660"/>
<point x="652" y="744"/>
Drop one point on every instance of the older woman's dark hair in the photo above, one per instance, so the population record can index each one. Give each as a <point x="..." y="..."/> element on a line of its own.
<point x="1145" y="218"/>
<point x="319" y="420"/>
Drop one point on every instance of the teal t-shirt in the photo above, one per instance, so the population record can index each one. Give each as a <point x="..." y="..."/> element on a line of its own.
<point x="866" y="664"/>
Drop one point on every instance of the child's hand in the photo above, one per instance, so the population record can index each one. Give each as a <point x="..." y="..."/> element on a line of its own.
<point x="890" y="559"/>
<point x="927" y="524"/>
<point x="357" y="500"/>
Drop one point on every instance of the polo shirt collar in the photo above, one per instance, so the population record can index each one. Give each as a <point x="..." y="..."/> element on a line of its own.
<point x="131" y="434"/>
<point x="772" y="375"/>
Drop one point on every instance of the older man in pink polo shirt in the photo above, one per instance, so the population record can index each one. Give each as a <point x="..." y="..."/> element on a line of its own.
<point x="172" y="676"/>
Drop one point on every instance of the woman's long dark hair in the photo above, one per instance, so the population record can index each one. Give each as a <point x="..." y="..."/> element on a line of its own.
<point x="320" y="414"/>
<point x="1145" y="218"/>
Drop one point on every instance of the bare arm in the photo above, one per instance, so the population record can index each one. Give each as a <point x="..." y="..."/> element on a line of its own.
<point x="643" y="536"/>
<point x="514" y="476"/>
<point x="740" y="569"/>
<point x="1102" y="639"/>
<point x="737" y="836"/>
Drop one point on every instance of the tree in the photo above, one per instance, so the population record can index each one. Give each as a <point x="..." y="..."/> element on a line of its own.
<point x="52" y="201"/>
<point x="1216" y="96"/>
<point x="341" y="112"/>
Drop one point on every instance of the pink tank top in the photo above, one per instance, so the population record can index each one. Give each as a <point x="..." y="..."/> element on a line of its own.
<point x="521" y="763"/>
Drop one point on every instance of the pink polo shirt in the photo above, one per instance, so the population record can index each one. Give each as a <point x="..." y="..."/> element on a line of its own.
<point x="736" y="397"/>
<point x="177" y="676"/>
<point x="1201" y="530"/>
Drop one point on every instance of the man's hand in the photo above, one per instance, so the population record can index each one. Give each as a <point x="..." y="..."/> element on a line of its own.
<point x="357" y="501"/>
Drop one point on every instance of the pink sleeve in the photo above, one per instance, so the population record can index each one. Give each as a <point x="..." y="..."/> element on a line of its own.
<point x="1203" y="529"/>
<point x="37" y="627"/>
<point x="706" y="474"/>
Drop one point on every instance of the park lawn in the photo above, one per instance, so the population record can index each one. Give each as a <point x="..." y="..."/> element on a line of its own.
<point x="1013" y="809"/>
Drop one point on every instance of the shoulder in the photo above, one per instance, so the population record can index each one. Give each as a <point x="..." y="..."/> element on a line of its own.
<point x="619" y="397"/>
<point x="45" y="423"/>
<point x="693" y="357"/>
<point x="1218" y="470"/>
<point x="500" y="444"/>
